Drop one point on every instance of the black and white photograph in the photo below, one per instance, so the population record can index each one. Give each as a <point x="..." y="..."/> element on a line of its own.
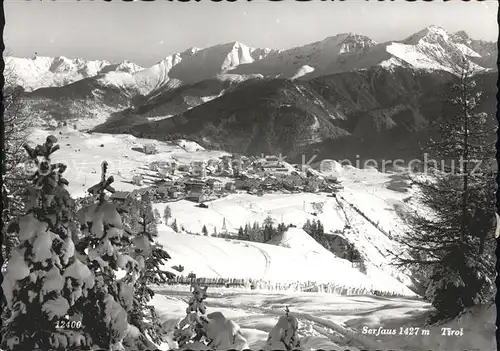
<point x="249" y="175"/>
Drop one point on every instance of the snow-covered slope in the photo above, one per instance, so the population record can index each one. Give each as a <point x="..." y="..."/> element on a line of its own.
<point x="431" y="48"/>
<point x="83" y="154"/>
<point x="37" y="72"/>
<point x="190" y="66"/>
<point x="317" y="56"/>
<point x="199" y="64"/>
<point x="225" y="258"/>
<point x="297" y="238"/>
<point x="373" y="242"/>
<point x="125" y="66"/>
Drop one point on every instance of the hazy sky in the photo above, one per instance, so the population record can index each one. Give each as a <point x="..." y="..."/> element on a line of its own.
<point x="146" y="32"/>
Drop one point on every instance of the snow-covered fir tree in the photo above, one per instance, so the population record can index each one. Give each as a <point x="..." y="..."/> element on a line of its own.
<point x="201" y="331"/>
<point x="174" y="226"/>
<point x="241" y="234"/>
<point x="167" y="214"/>
<point x="106" y="308"/>
<point x="284" y="334"/>
<point x="44" y="282"/>
<point x="189" y="333"/>
<point x="143" y="316"/>
<point x="157" y="216"/>
<point x="146" y="216"/>
<point x="141" y="231"/>
<point x="452" y="249"/>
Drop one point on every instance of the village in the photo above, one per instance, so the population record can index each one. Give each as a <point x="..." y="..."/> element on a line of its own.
<point x="204" y="181"/>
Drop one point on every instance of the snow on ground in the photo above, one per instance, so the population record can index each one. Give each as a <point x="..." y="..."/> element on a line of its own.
<point x="154" y="119"/>
<point x="365" y="189"/>
<point x="238" y="209"/>
<point x="297" y="238"/>
<point x="211" y="257"/>
<point x="189" y="146"/>
<point x="257" y="311"/>
<point x="411" y="55"/>
<point x="302" y="71"/>
<point x="83" y="154"/>
<point x="321" y="315"/>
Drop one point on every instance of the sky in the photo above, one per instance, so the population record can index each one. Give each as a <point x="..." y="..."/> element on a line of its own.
<point x="146" y="32"/>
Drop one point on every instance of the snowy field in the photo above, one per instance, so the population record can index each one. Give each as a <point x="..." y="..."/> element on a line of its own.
<point x="334" y="322"/>
<point x="239" y="209"/>
<point x="304" y="261"/>
<point x="83" y="154"/>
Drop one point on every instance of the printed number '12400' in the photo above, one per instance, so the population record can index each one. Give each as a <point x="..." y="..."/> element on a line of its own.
<point x="65" y="324"/>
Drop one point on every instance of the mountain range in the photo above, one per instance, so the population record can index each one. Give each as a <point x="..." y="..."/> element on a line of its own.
<point x="243" y="99"/>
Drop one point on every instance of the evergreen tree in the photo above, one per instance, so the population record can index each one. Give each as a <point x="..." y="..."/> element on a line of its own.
<point x="224" y="228"/>
<point x="147" y="220"/>
<point x="174" y="226"/>
<point x="314" y="229"/>
<point x="246" y="232"/>
<point x="307" y="227"/>
<point x="204" y="230"/>
<point x="452" y="249"/>
<point x="44" y="281"/>
<point x="362" y="266"/>
<point x="143" y="316"/>
<point x="107" y="304"/>
<point x="167" y="214"/>
<point x="132" y="208"/>
<point x="255" y="233"/>
<point x="319" y="229"/>
<point x="189" y="332"/>
<point x="284" y="334"/>
<point x="268" y="230"/>
<point x="201" y="331"/>
<point x="241" y="234"/>
<point x="157" y="216"/>
<point x="281" y="228"/>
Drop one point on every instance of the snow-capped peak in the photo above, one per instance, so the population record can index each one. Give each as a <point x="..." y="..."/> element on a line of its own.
<point x="196" y="64"/>
<point x="41" y="71"/>
<point x="428" y="34"/>
<point x="433" y="48"/>
<point x="430" y="48"/>
<point x="124" y="66"/>
<point x="354" y="42"/>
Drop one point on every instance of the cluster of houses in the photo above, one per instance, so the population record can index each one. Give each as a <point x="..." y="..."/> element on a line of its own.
<point x="202" y="181"/>
<point x="226" y="166"/>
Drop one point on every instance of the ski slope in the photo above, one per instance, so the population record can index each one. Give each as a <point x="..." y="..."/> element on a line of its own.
<point x="239" y="209"/>
<point x="211" y="257"/>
